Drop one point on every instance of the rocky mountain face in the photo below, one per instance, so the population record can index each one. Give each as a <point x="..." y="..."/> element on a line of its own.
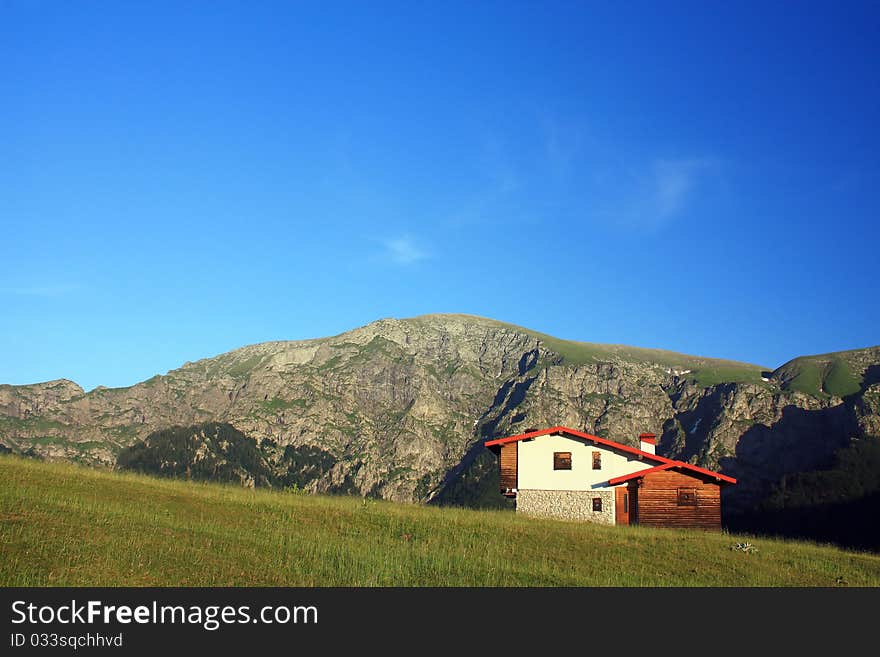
<point x="399" y="409"/>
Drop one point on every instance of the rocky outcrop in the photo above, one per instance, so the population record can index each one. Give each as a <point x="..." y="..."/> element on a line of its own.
<point x="400" y="408"/>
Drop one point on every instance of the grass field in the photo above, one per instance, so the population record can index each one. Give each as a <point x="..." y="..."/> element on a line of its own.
<point x="67" y="525"/>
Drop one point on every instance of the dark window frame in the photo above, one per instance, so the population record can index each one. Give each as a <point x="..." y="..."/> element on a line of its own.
<point x="597" y="505"/>
<point x="687" y="496"/>
<point x="562" y="460"/>
<point x="597" y="460"/>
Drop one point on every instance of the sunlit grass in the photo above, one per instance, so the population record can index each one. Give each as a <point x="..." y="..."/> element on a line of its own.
<point x="62" y="524"/>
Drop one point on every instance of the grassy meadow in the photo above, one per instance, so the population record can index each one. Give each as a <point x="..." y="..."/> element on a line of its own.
<point x="821" y="376"/>
<point x="67" y="525"/>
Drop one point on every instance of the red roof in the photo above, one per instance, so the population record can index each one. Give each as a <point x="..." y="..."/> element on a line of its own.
<point x="663" y="463"/>
<point x="640" y="473"/>
<point x="578" y="434"/>
<point x="667" y="466"/>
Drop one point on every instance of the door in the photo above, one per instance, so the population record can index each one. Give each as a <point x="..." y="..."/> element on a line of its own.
<point x="621" y="505"/>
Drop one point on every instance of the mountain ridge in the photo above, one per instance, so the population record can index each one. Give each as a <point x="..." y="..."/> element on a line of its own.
<point x="399" y="408"/>
<point x="606" y="347"/>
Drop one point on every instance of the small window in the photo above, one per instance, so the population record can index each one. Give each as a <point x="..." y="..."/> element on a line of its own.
<point x="597" y="504"/>
<point x="562" y="460"/>
<point x="626" y="502"/>
<point x="687" y="497"/>
<point x="597" y="460"/>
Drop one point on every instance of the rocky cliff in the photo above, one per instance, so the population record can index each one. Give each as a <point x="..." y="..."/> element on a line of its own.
<point x="399" y="408"/>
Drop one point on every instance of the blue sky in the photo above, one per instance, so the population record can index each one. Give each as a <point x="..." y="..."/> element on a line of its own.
<point x="180" y="179"/>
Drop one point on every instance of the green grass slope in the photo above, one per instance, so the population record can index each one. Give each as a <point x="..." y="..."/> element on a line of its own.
<point x="838" y="373"/>
<point x="66" y="525"/>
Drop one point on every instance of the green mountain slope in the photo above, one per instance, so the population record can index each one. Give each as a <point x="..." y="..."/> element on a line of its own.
<point x="836" y="374"/>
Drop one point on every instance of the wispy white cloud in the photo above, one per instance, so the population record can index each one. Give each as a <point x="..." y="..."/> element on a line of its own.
<point x="674" y="182"/>
<point x="656" y="193"/>
<point x="495" y="181"/>
<point x="566" y="169"/>
<point x="403" y="251"/>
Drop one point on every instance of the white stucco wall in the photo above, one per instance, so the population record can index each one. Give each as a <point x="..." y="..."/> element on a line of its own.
<point x="535" y="467"/>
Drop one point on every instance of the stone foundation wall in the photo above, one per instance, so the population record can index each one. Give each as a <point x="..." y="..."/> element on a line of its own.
<point x="566" y="504"/>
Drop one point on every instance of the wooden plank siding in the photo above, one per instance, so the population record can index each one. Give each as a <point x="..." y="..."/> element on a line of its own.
<point x="508" y="466"/>
<point x="658" y="501"/>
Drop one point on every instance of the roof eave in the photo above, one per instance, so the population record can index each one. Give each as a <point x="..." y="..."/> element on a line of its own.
<point x="717" y="476"/>
<point x="579" y="434"/>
